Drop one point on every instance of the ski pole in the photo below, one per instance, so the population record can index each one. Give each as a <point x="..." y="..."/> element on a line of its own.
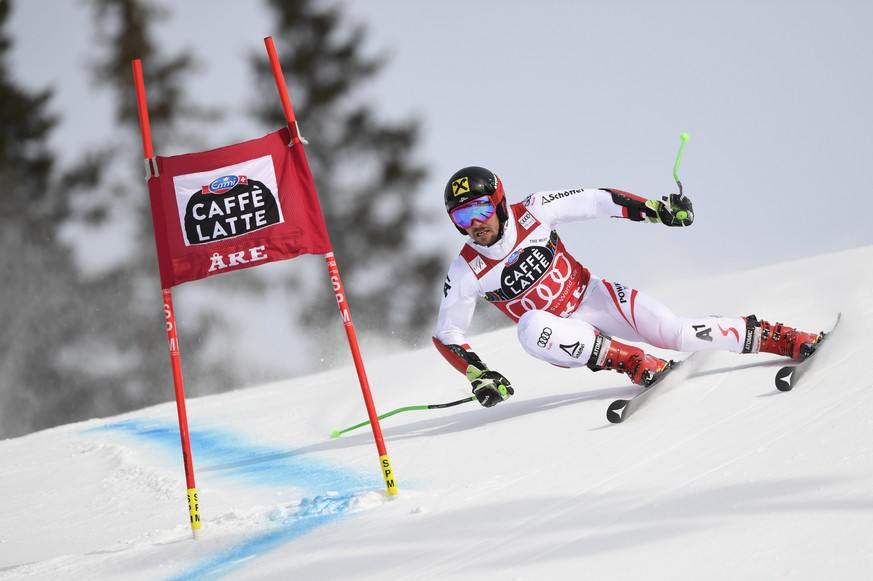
<point x="684" y="137"/>
<point x="433" y="406"/>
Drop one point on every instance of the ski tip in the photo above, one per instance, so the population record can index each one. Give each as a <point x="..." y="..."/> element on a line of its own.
<point x="335" y="434"/>
<point x="614" y="417"/>
<point x="614" y="412"/>
<point x="783" y="378"/>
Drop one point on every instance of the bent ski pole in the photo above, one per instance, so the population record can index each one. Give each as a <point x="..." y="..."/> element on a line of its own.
<point x="433" y="406"/>
<point x="684" y="137"/>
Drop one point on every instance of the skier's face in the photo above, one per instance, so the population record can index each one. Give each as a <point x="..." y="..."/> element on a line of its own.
<point x="485" y="233"/>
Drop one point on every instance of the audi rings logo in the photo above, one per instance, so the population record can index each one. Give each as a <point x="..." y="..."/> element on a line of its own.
<point x="545" y="335"/>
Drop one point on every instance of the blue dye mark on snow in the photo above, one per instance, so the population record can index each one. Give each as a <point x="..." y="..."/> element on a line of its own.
<point x="217" y="451"/>
<point x="310" y="515"/>
<point x="225" y="454"/>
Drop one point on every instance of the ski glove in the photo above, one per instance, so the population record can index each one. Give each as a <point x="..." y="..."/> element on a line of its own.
<point x="672" y="210"/>
<point x="489" y="387"/>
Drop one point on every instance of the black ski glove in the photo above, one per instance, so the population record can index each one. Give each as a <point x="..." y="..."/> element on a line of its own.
<point x="489" y="387"/>
<point x="672" y="210"/>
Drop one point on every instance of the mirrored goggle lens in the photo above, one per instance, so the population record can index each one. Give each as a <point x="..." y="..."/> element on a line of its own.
<point x="479" y="209"/>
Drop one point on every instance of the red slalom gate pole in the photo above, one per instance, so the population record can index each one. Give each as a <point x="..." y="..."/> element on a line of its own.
<point x="169" y="315"/>
<point x="342" y="303"/>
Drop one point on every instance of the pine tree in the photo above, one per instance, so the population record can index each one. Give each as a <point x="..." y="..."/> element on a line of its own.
<point x="132" y="287"/>
<point x="364" y="168"/>
<point x="35" y="267"/>
<point x="84" y="339"/>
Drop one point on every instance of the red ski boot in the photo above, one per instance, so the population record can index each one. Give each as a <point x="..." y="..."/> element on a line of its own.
<point x="780" y="339"/>
<point x="610" y="354"/>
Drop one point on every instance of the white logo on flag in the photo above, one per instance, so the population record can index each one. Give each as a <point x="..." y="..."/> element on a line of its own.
<point x="228" y="202"/>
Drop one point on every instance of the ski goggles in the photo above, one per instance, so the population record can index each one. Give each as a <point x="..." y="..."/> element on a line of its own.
<point x="479" y="209"/>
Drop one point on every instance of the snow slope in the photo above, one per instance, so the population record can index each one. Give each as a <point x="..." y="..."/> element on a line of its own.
<point x="720" y="477"/>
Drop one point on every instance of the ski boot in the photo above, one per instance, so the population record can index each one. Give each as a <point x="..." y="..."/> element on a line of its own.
<point x="608" y="353"/>
<point x="764" y="337"/>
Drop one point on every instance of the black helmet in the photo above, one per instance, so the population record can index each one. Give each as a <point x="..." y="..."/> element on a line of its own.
<point x="471" y="183"/>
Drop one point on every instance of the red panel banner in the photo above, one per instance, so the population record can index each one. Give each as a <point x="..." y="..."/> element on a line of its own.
<point x="234" y="207"/>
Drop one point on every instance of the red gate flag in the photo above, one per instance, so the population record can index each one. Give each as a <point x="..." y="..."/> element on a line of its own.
<point x="233" y="208"/>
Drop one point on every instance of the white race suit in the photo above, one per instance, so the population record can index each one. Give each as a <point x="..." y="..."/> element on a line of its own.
<point x="558" y="304"/>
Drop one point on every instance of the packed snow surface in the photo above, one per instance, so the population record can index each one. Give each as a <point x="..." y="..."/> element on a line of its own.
<point x="719" y="476"/>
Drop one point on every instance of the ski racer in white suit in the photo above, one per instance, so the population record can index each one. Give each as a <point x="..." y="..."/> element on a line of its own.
<point x="567" y="316"/>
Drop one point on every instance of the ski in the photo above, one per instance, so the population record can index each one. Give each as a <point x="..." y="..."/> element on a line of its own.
<point x="622" y="409"/>
<point x="788" y="376"/>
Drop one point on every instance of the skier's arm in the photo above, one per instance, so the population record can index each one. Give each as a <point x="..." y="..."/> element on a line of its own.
<point x="460" y="292"/>
<point x="632" y="207"/>
<point x="489" y="387"/>
<point x="672" y="210"/>
<point x="574" y="205"/>
<point x="456" y="312"/>
<point x="459" y="356"/>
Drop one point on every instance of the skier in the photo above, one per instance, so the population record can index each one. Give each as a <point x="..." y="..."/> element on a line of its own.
<point x="567" y="315"/>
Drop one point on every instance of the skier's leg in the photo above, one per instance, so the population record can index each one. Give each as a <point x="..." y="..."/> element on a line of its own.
<point x="628" y="314"/>
<point x="575" y="343"/>
<point x="561" y="342"/>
